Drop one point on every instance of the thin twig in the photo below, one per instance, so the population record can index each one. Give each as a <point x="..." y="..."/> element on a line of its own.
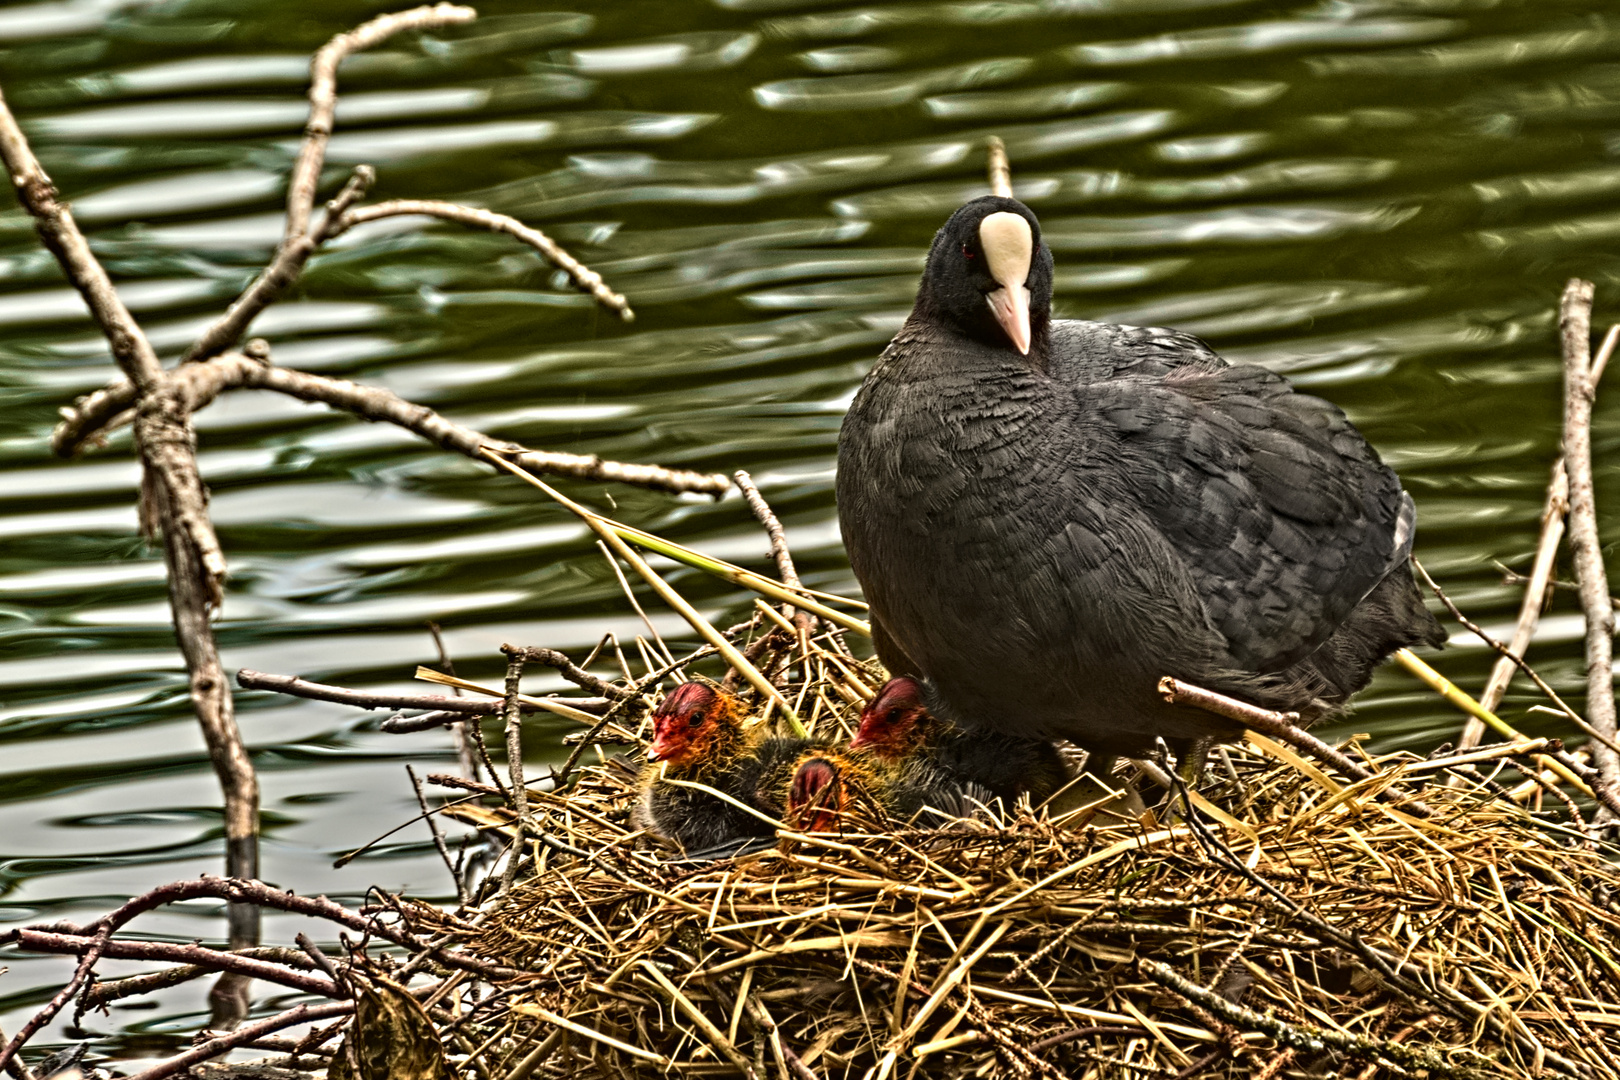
<point x="243" y="1035"/>
<point x="514" y="762"/>
<point x="201" y="383"/>
<point x="571" y="671"/>
<point x="438" y="837"/>
<point x="362" y="699"/>
<point x="61" y="236"/>
<point x="323" y="70"/>
<point x="583" y="276"/>
<point x="1510" y="658"/>
<point x="458" y="729"/>
<point x="1280" y="726"/>
<point x="803" y="620"/>
<point x="1535" y="598"/>
<point x="198" y="958"/>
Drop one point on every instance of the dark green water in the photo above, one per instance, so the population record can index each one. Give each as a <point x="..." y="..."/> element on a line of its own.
<point x="1380" y="198"/>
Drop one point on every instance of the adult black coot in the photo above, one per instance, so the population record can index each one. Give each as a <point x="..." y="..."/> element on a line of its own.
<point x="1048" y="516"/>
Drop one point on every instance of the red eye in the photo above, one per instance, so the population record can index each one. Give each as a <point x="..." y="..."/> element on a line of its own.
<point x="966" y="254"/>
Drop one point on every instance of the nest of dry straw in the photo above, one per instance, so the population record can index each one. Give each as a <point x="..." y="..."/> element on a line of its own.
<point x="1296" y="924"/>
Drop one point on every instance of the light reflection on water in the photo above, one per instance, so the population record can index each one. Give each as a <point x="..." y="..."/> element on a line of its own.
<point x="1381" y="198"/>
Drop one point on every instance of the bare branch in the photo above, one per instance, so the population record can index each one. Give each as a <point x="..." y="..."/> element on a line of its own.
<point x="274" y="279"/>
<point x="243" y="1036"/>
<point x="341" y="216"/>
<point x="514" y="762"/>
<point x="323" y="68"/>
<point x="404" y="725"/>
<point x="268" y="896"/>
<point x="174" y="498"/>
<point x="61" y="236"/>
<point x="803" y="620"/>
<point x="104" y="992"/>
<point x="587" y="279"/>
<point x="201" y="383"/>
<point x="1535" y="595"/>
<point x="1280" y="726"/>
<point x="570" y="671"/>
<point x="199" y="958"/>
<point x="361" y="699"/>
<point x="1575" y="326"/>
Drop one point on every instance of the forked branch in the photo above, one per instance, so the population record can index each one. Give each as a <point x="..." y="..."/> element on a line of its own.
<point x="199" y="384"/>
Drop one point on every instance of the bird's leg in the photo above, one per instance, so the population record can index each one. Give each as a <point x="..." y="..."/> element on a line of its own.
<point x="1188" y="770"/>
<point x="1193" y="758"/>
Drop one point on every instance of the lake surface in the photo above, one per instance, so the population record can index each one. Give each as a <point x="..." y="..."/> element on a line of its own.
<point x="1381" y="199"/>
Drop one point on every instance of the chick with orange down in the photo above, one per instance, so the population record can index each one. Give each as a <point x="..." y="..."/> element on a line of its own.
<point x="699" y="737"/>
<point x="828" y="783"/>
<point x="896" y="727"/>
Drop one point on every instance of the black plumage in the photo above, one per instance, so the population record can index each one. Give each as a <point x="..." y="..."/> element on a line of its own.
<point x="1043" y="534"/>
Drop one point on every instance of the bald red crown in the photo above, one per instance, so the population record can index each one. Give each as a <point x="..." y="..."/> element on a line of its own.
<point x="682" y="719"/>
<point x="685" y="700"/>
<point x="888" y="723"/>
<point x="815" y="796"/>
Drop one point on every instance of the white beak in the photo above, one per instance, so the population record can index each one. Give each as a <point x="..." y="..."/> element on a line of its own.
<point x="1009" y="249"/>
<point x="1010" y="303"/>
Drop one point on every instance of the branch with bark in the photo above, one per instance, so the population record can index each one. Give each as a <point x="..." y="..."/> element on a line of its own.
<point x="160" y="403"/>
<point x="195" y="386"/>
<point x="95" y="942"/>
<point x="362" y="699"/>
<point x="1575" y="332"/>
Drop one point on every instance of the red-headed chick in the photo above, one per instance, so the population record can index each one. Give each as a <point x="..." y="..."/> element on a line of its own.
<point x="699" y="737"/>
<point x="828" y="784"/>
<point x="896" y="727"/>
<point x="823" y="790"/>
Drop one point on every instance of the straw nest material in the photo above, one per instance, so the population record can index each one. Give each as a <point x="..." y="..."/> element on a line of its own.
<point x="1295" y="925"/>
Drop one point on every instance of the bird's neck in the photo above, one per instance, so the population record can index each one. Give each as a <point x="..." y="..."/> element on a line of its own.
<point x="924" y="340"/>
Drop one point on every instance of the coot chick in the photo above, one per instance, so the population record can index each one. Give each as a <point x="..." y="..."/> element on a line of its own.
<point x="828" y="783"/>
<point x="896" y="726"/>
<point x="1048" y="516"/>
<point x="698" y="737"/>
